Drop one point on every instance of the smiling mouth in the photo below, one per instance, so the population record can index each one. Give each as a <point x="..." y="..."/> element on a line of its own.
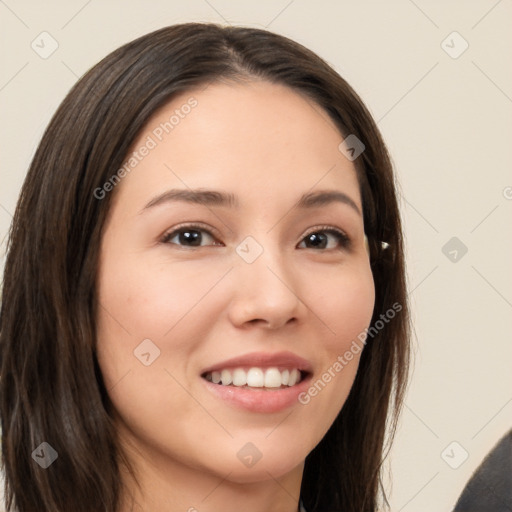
<point x="256" y="378"/>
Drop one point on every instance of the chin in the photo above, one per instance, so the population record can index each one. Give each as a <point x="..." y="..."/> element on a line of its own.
<point x="260" y="472"/>
<point x="271" y="464"/>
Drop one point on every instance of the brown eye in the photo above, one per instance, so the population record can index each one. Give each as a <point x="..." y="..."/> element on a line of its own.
<point x="188" y="236"/>
<point x="320" y="239"/>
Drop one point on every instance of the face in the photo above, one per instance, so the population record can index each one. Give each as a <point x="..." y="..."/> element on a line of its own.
<point x="264" y="286"/>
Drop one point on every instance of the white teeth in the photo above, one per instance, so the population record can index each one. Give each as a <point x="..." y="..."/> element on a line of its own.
<point x="255" y="377"/>
<point x="225" y="377"/>
<point x="239" y="377"/>
<point x="273" y="378"/>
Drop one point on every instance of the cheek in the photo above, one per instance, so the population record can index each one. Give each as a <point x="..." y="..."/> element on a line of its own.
<point x="141" y="301"/>
<point x="149" y="298"/>
<point x="165" y="302"/>
<point x="345" y="304"/>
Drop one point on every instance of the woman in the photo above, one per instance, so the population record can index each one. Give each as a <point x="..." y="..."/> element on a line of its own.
<point x="204" y="300"/>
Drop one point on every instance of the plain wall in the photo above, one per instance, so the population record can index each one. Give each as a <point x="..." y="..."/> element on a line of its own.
<point x="447" y="120"/>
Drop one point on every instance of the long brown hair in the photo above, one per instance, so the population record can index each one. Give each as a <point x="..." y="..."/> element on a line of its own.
<point x="51" y="388"/>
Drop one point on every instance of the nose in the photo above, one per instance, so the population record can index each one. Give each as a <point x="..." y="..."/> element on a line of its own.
<point x="265" y="292"/>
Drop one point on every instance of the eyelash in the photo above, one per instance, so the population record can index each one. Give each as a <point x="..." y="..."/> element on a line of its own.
<point x="343" y="238"/>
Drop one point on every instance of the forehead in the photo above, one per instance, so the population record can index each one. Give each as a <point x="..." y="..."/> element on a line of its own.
<point x="255" y="139"/>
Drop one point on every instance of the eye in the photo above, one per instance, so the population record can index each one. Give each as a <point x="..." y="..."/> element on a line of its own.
<point x="319" y="239"/>
<point x="188" y="236"/>
<point x="192" y="235"/>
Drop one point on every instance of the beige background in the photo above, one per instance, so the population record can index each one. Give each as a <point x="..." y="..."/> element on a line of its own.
<point x="448" y="124"/>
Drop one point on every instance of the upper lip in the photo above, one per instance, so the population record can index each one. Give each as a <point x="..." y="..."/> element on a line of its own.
<point x="284" y="359"/>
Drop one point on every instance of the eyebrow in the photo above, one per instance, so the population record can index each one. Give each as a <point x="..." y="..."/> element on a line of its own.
<point x="226" y="199"/>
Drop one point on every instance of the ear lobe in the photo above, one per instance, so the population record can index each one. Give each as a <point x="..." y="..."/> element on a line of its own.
<point x="383" y="245"/>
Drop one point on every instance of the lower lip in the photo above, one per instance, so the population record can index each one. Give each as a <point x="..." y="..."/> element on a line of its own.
<point x="256" y="400"/>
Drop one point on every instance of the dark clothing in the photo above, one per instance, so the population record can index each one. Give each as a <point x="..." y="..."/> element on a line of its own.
<point x="490" y="487"/>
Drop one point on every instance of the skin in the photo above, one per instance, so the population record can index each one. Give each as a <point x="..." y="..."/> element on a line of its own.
<point x="201" y="305"/>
